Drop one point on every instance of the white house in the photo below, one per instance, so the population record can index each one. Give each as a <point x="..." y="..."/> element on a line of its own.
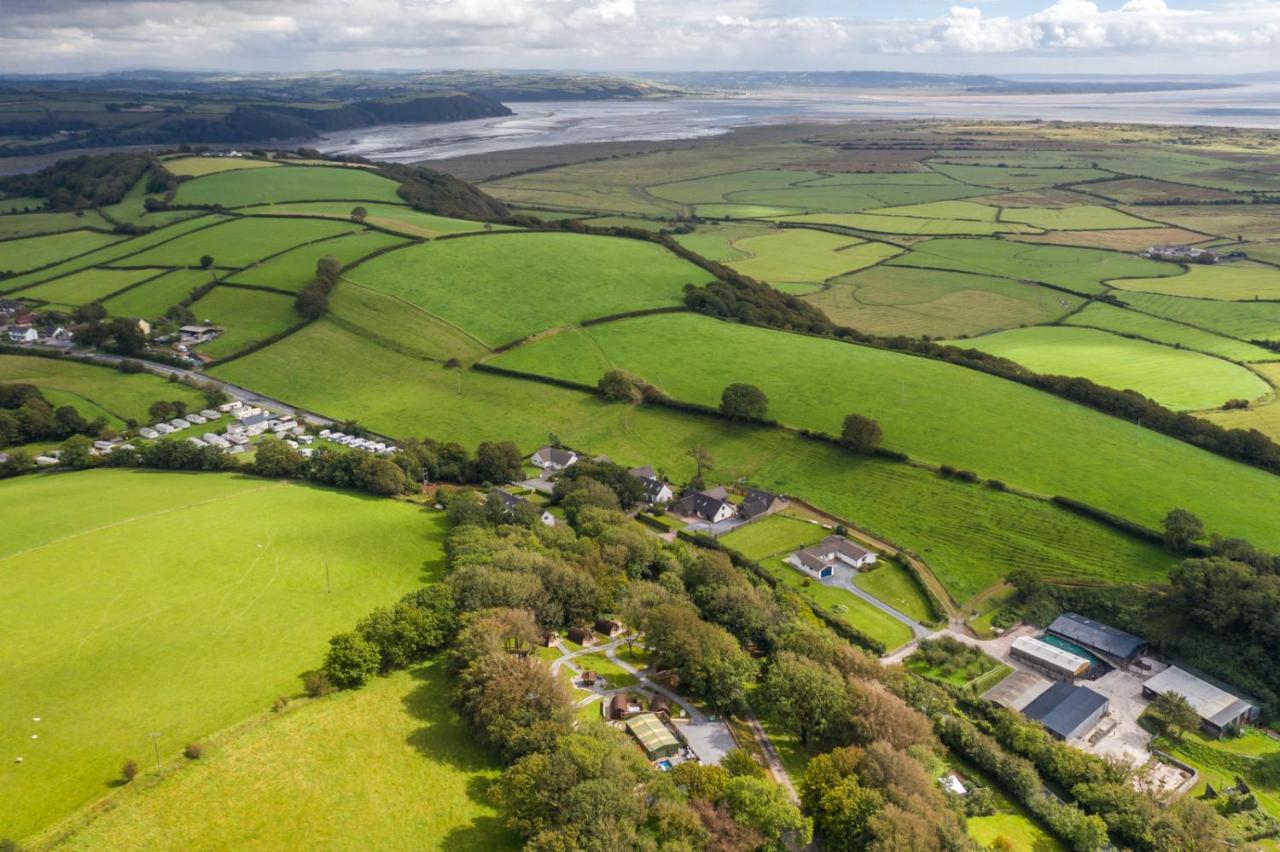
<point x="553" y="458"/>
<point x="711" y="505"/>
<point x="23" y="334"/>
<point x="821" y="559"/>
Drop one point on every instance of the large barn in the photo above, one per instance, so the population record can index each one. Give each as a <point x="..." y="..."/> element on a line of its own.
<point x="1218" y="709"/>
<point x="1112" y="645"/>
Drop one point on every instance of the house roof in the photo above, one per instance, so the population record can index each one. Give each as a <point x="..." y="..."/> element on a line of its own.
<point x="704" y="504"/>
<point x="652" y="488"/>
<point x="255" y="419"/>
<point x="1095" y="635"/>
<point x="1062" y="708"/>
<point x="652" y="734"/>
<point x="509" y="500"/>
<point x="644" y="472"/>
<point x="827" y="549"/>
<point x="556" y="455"/>
<point x="757" y="502"/>
<point x="1211" y="702"/>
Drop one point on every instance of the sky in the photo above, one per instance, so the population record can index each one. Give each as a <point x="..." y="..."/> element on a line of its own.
<point x="968" y="36"/>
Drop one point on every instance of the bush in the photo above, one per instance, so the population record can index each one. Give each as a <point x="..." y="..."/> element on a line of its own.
<point x="316" y="683"/>
<point x="129" y="770"/>
<point x="193" y="751"/>
<point x="351" y="660"/>
<point x="279" y="704"/>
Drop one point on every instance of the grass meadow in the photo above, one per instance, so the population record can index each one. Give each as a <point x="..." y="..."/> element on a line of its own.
<point x="911" y="225"/>
<point x="501" y="288"/>
<point x="1085" y="217"/>
<point x="1235" y="282"/>
<point x="1176" y="378"/>
<point x="178" y="603"/>
<point x="27" y="253"/>
<point x="389" y="767"/>
<point x="1016" y="177"/>
<point x="31" y="224"/>
<point x="152" y="299"/>
<point x="392" y="217"/>
<point x="970" y="536"/>
<point x="246" y="317"/>
<point x="295" y="183"/>
<point x="124" y="396"/>
<point x="201" y="166"/>
<point x="1246" y="320"/>
<point x="240" y="242"/>
<point x="89" y="285"/>
<point x="1262" y="415"/>
<point x="1099" y="315"/>
<point x="390" y="322"/>
<point x="934" y="411"/>
<point x="803" y="255"/>
<point x="890" y="300"/>
<point x="294" y="269"/>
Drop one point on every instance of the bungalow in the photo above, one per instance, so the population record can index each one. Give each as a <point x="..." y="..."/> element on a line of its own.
<point x="23" y="334"/>
<point x="511" y="501"/>
<point x="148" y="433"/>
<point x="655" y="490"/>
<point x="757" y="504"/>
<point x="553" y="458"/>
<point x="608" y="627"/>
<point x="823" y="558"/>
<point x="193" y="335"/>
<point x="581" y="636"/>
<point x="712" y="505"/>
<point x="57" y="336"/>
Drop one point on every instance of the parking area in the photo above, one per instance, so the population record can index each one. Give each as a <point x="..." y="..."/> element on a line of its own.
<point x="710" y="741"/>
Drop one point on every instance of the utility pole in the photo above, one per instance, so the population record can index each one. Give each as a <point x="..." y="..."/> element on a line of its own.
<point x="155" y="745"/>
<point x="328" y="586"/>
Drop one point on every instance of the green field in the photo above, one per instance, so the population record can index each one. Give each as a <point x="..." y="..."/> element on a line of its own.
<point x="1085" y="217"/>
<point x="1237" y="282"/>
<point x="296" y="183"/>
<point x="1077" y="269"/>
<point x="843" y="604"/>
<point x="800" y="255"/>
<point x="1100" y="315"/>
<point x="970" y="536"/>
<point x="910" y="225"/>
<point x="601" y="664"/>
<point x="294" y="269"/>
<point x="969" y="211"/>
<point x="90" y="285"/>
<point x="1176" y="378"/>
<point x="778" y="535"/>
<point x="717" y="188"/>
<point x="153" y="298"/>
<point x="934" y="411"/>
<point x="1263" y="416"/>
<point x="392" y="217"/>
<point x="132" y="622"/>
<point x="240" y="242"/>
<point x="36" y="252"/>
<point x="30" y="224"/>
<point x="717" y="242"/>
<point x="894" y="584"/>
<point x="850" y="193"/>
<point x="246" y="317"/>
<point x="125" y="396"/>
<point x="389" y="321"/>
<point x="890" y="300"/>
<point x="201" y="166"/>
<point x="1016" y="177"/>
<point x="500" y="288"/>
<point x="389" y="767"/>
<point x="1246" y="320"/>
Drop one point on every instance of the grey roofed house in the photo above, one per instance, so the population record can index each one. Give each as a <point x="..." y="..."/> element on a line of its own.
<point x="711" y="505"/>
<point x="553" y="458"/>
<point x="822" y="558"/>
<point x="758" y="503"/>
<point x="1067" y="711"/>
<point x="1218" y="709"/>
<point x="511" y="501"/>
<point x="1100" y="638"/>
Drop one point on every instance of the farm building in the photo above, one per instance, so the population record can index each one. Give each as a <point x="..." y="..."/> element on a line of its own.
<point x="1067" y="711"/>
<point x="1017" y="690"/>
<point x="821" y="559"/>
<point x="711" y="505"/>
<point x="580" y="636"/>
<point x="1112" y="645"/>
<point x="1218" y="708"/>
<point x="1048" y="660"/>
<point x="654" y="737"/>
<point x="757" y="504"/>
<point x="553" y="458"/>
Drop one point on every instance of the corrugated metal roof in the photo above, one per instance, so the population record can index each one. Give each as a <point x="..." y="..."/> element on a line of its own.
<point x="1097" y="636"/>
<point x="1062" y="708"/>
<point x="1050" y="655"/>
<point x="1212" y="703"/>
<point x="652" y="734"/>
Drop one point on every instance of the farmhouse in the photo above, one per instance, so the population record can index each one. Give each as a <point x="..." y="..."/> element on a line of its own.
<point x="1114" y="646"/>
<point x="1068" y="711"/>
<point x="553" y="458"/>
<point x="23" y="334"/>
<point x="1187" y="254"/>
<point x="654" y="737"/>
<point x="712" y="505"/>
<point x="1051" y="661"/>
<point x="511" y="501"/>
<point x="757" y="504"/>
<point x="1218" y="709"/>
<point x="821" y="559"/>
<point x="192" y="335"/>
<point x="655" y="490"/>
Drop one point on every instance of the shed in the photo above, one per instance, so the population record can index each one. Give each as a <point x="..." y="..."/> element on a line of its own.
<point x="1017" y="690"/>
<point x="1102" y="639"/>
<point x="1068" y="711"/>
<point x="1049" y="660"/>
<point x="1218" y="709"/>
<point x="608" y="627"/>
<point x="654" y="737"/>
<point x="589" y="677"/>
<point x="581" y="636"/>
<point x="660" y="704"/>
<point x="619" y="707"/>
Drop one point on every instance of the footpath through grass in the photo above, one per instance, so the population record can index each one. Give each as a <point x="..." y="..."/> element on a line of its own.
<point x="179" y="603"/>
<point x="388" y="767"/>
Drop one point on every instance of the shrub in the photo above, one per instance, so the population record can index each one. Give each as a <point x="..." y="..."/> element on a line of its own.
<point x="351" y="660"/>
<point x="316" y="683"/>
<point x="279" y="704"/>
<point x="193" y="751"/>
<point x="860" y="434"/>
<point x="744" y="402"/>
<point x="129" y="770"/>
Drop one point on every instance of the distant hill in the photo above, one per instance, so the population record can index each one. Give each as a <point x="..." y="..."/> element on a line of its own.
<point x="814" y="79"/>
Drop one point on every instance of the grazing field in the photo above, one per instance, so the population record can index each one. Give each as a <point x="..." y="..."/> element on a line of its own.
<point x="1111" y="318"/>
<point x="294" y="269"/>
<point x="90" y="285"/>
<point x="1146" y="191"/>
<point x="970" y="536"/>
<point x="392" y="217"/>
<point x="743" y="211"/>
<point x="1263" y="415"/>
<point x="894" y="584"/>
<point x="30" y="224"/>
<point x="1246" y="320"/>
<point x="850" y="193"/>
<point x="296" y="183"/>
<point x="890" y="300"/>
<point x="34" y="252"/>
<point x="934" y="411"/>
<point x="246" y="317"/>
<point x="718" y="242"/>
<point x="1240" y="221"/>
<point x="315" y="772"/>
<point x="201" y="166"/>
<point x="1077" y="269"/>
<point x="131" y="624"/>
<point x="240" y="242"/>
<point x="1176" y="378"/>
<point x="20" y="203"/>
<point x="969" y="211"/>
<point x="501" y="288"/>
<point x="1081" y="218"/>
<point x="152" y="299"/>
<point x="1016" y="177"/>
<point x="799" y="255"/>
<point x="915" y="226"/>
<point x="1125" y="239"/>
<point x="391" y="322"/>
<point x="1236" y="282"/>
<point x="125" y="396"/>
<point x="717" y="188"/>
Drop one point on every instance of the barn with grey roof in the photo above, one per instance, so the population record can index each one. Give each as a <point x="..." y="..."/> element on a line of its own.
<point x="1113" y="645"/>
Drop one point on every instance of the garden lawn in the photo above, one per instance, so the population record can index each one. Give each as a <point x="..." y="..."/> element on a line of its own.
<point x="240" y="242"/>
<point x="894" y="584"/>
<point x="294" y="269"/>
<point x="1078" y="269"/>
<point x="1226" y="281"/>
<point x="970" y="536"/>
<point x="1111" y="318"/>
<point x="1176" y="378"/>
<point x="246" y="317"/>
<point x="201" y="166"/>
<point x="618" y="677"/>
<point x="890" y="300"/>
<point x="503" y="287"/>
<point x="89" y="285"/>
<point x="125" y="396"/>
<point x="35" y="252"/>
<point x="799" y="254"/>
<point x="295" y="183"/>
<point x="777" y="535"/>
<point x="843" y="605"/>
<point x="392" y="217"/>
<point x="150" y="300"/>
<point x="389" y="767"/>
<point x="936" y="412"/>
<point x="179" y="603"/>
<point x="915" y="226"/>
<point x="1245" y="320"/>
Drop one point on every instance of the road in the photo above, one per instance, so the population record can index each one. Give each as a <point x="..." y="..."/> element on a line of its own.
<point x="918" y="630"/>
